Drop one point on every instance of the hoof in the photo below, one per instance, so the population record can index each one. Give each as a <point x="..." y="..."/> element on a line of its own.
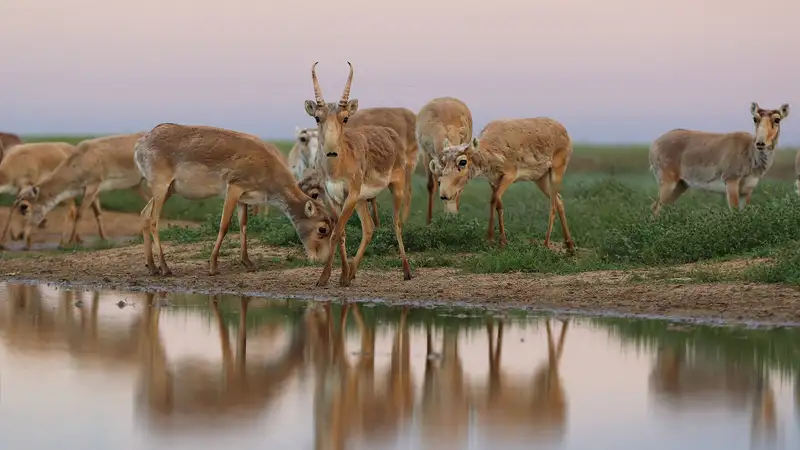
<point x="154" y="271"/>
<point x="248" y="265"/>
<point x="321" y="283"/>
<point x="165" y="272"/>
<point x="214" y="271"/>
<point x="407" y="277"/>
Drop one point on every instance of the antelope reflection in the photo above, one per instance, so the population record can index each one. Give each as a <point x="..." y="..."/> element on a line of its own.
<point x="188" y="393"/>
<point x="349" y="402"/>
<point x="685" y="379"/>
<point x="446" y="395"/>
<point x="536" y="406"/>
<point x="28" y="322"/>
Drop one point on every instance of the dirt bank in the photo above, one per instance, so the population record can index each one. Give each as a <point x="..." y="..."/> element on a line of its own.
<point x="123" y="268"/>
<point x="117" y="225"/>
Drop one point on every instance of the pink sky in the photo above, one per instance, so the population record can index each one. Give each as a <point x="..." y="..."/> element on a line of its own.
<point x="611" y="71"/>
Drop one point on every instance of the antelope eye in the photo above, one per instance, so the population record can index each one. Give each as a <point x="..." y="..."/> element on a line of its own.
<point x="314" y="195"/>
<point x="777" y="120"/>
<point x="462" y="163"/>
<point x="322" y="230"/>
<point x="303" y="140"/>
<point x="755" y="119"/>
<point x="316" y="118"/>
<point x="345" y="120"/>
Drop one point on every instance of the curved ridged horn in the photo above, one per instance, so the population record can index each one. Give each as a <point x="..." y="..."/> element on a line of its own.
<point x="346" y="94"/>
<point x="317" y="90"/>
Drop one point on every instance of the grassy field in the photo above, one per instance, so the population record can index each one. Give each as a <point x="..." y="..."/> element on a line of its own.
<point x="607" y="194"/>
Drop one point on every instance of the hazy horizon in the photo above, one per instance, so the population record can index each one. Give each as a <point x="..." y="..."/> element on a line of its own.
<point x="621" y="71"/>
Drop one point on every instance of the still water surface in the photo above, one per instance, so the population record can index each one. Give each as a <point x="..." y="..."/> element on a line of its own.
<point x="185" y="371"/>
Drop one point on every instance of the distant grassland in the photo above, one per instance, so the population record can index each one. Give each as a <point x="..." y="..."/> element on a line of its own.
<point x="607" y="193"/>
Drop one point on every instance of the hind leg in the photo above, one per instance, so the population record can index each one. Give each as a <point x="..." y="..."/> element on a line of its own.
<point x="398" y="192"/>
<point x="146" y="213"/>
<point x="432" y="187"/>
<point x="367" y="231"/>
<point x="669" y="189"/>
<point x="375" y="219"/>
<point x="245" y="259"/>
<point x="161" y="194"/>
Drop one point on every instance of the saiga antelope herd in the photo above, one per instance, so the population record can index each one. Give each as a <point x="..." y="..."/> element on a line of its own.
<point x="340" y="166"/>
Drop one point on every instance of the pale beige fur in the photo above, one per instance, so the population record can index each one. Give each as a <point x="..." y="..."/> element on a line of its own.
<point x="507" y="151"/>
<point x="199" y="162"/>
<point x="403" y="121"/>
<point x="264" y="209"/>
<point x="25" y="165"/>
<point x="357" y="164"/>
<point x="730" y="163"/>
<point x="797" y="172"/>
<point x="8" y="140"/>
<point x="443" y="118"/>
<point x="97" y="165"/>
<point x="303" y="154"/>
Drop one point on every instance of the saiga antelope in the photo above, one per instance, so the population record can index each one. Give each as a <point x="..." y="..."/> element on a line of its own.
<point x="264" y="209"/>
<point x="8" y="140"/>
<point x="97" y="165"/>
<point x="357" y="164"/>
<point x="443" y="118"/>
<point x="199" y="162"/>
<point x="303" y="162"/>
<point x="403" y="121"/>
<point x="23" y="166"/>
<point x="535" y="149"/>
<point x="729" y="163"/>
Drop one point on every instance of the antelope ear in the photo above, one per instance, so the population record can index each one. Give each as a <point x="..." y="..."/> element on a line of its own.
<point x="35" y="191"/>
<point x="311" y="107"/>
<point x="297" y="131"/>
<point x="352" y="106"/>
<point x="473" y="146"/>
<point x="784" y="110"/>
<point x="754" y="109"/>
<point x="434" y="166"/>
<point x="310" y="208"/>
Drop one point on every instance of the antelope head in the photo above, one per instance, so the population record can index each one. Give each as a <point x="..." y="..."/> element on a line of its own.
<point x="454" y="169"/>
<point x="309" y="142"/>
<point x="331" y="117"/>
<point x="28" y="205"/>
<point x="768" y="125"/>
<point x="314" y="229"/>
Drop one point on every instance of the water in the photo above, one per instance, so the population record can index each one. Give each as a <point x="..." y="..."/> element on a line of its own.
<point x="188" y="373"/>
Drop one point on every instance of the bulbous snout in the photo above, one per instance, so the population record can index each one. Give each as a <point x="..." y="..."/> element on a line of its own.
<point x="23" y="208"/>
<point x="761" y="145"/>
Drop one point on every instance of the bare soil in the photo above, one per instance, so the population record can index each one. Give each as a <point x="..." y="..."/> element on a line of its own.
<point x="118" y="226"/>
<point x="645" y="292"/>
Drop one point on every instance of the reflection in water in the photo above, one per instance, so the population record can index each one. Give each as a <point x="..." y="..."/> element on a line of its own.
<point x="210" y="371"/>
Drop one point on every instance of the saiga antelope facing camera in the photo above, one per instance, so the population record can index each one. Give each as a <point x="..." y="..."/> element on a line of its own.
<point x="536" y="149"/>
<point x="356" y="163"/>
<point x="443" y="118"/>
<point x="728" y="163"/>
<point x="199" y="162"/>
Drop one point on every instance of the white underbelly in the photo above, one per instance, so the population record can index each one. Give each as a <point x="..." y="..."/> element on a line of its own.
<point x="368" y="192"/>
<point x="710" y="186"/>
<point x="336" y="190"/>
<point x="112" y="184"/>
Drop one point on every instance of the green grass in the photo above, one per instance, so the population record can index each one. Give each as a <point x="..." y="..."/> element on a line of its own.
<point x="607" y="193"/>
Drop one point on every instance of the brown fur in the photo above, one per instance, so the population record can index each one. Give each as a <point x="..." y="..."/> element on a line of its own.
<point x="25" y="165"/>
<point x="535" y="149"/>
<point x="403" y="121"/>
<point x="97" y="165"/>
<point x="8" y="140"/>
<point x="727" y="162"/>
<point x="443" y="118"/>
<point x="199" y="162"/>
<point x="264" y="209"/>
<point x="356" y="163"/>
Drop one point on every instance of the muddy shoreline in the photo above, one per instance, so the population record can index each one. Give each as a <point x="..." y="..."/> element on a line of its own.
<point x="589" y="293"/>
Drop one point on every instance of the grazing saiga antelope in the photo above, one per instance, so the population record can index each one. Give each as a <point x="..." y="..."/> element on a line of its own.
<point x="729" y="163"/>
<point x="8" y="140"/>
<point x="403" y="121"/>
<point x="443" y="118"/>
<point x="264" y="209"/>
<point x="357" y="164"/>
<point x="199" y="162"/>
<point x="26" y="164"/>
<point x="535" y="149"/>
<point x="97" y="165"/>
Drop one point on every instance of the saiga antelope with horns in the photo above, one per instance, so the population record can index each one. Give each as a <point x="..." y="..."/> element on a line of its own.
<point x="730" y="163"/>
<point x="357" y="163"/>
<point x="536" y="149"/>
